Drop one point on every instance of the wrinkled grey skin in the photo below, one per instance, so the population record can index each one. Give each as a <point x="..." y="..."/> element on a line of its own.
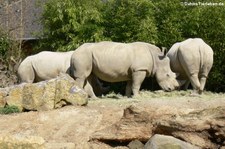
<point x="47" y="65"/>
<point x="115" y="62"/>
<point x="192" y="59"/>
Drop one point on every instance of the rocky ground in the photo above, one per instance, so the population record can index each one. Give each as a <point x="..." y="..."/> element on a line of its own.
<point x="114" y="121"/>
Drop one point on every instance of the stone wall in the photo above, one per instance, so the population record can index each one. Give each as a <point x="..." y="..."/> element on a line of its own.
<point x="45" y="95"/>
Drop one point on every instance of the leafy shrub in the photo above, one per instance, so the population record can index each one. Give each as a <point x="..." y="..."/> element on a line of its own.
<point x="9" y="109"/>
<point x="4" y="44"/>
<point x="10" y="57"/>
<point x="10" y="49"/>
<point x="129" y="21"/>
<point x="69" y="23"/>
<point x="168" y="21"/>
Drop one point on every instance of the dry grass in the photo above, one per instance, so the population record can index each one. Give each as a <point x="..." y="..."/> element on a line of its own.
<point x="148" y="95"/>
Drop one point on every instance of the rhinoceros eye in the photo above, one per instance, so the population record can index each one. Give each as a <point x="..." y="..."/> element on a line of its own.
<point x="167" y="75"/>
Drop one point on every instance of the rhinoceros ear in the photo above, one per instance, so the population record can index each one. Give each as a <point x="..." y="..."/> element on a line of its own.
<point x="164" y="50"/>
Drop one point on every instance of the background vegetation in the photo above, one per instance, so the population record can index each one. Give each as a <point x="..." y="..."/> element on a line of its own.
<point x="10" y="55"/>
<point x="69" y="23"/>
<point x="9" y="109"/>
<point x="9" y="49"/>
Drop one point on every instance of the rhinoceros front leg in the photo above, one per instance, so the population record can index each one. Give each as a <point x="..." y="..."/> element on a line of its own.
<point x="187" y="82"/>
<point x="89" y="90"/>
<point x="83" y="83"/>
<point x="128" y="88"/>
<point x="137" y="79"/>
<point x="80" y="82"/>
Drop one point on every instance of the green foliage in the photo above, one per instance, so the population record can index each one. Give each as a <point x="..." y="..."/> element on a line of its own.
<point x="10" y="50"/>
<point x="4" y="44"/>
<point x="9" y="110"/>
<point x="168" y="20"/>
<point x="130" y="20"/>
<point x="69" y="23"/>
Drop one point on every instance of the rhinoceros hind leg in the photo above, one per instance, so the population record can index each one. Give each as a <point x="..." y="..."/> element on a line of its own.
<point x="137" y="79"/>
<point x="97" y="86"/>
<point x="202" y="84"/>
<point x="26" y="73"/>
<point x="195" y="82"/>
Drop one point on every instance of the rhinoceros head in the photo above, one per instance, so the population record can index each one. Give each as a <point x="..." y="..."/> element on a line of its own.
<point x="164" y="75"/>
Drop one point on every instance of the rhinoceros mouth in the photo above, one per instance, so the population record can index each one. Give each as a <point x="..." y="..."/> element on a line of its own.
<point x="168" y="89"/>
<point x="169" y="86"/>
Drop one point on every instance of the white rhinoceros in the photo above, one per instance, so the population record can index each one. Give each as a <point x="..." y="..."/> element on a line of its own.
<point x="192" y="59"/>
<point x="115" y="62"/>
<point x="47" y="65"/>
<point x="44" y="66"/>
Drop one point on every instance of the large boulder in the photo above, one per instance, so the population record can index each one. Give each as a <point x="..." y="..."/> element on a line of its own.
<point x="3" y="94"/>
<point x="202" y="128"/>
<point x="163" y="141"/>
<point x="45" y="95"/>
<point x="136" y="144"/>
<point x="31" y="142"/>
